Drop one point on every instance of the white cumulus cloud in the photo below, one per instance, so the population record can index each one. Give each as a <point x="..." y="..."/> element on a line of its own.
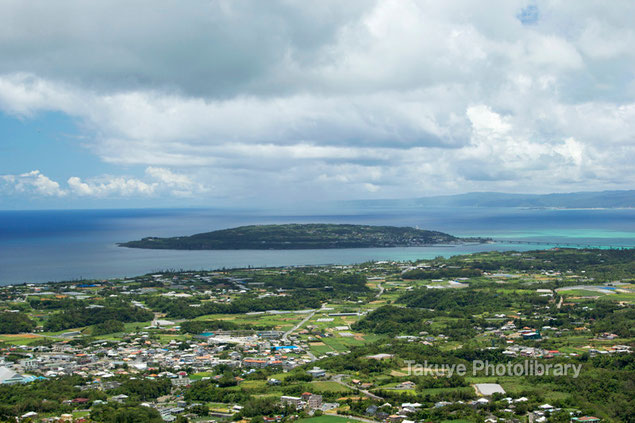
<point x="158" y="181"/>
<point x="109" y="186"/>
<point x="32" y="182"/>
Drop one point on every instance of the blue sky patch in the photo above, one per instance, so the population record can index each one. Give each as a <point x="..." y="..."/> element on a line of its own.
<point x="529" y="15"/>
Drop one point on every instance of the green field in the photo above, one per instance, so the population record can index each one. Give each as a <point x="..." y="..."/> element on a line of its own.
<point x="20" y="339"/>
<point x="326" y="386"/>
<point x="582" y="293"/>
<point x="201" y="375"/>
<point x="435" y="391"/>
<point x="340" y="344"/>
<point x="270" y="321"/>
<point x="320" y="349"/>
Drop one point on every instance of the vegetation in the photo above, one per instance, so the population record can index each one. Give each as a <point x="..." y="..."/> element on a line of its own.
<point x="144" y="390"/>
<point x="41" y="396"/>
<point x="11" y="322"/>
<point x="77" y="315"/>
<point x="180" y="308"/>
<point x="366" y="325"/>
<point x="115" y="413"/>
<point x="441" y="273"/>
<point x="109" y="326"/>
<point x="298" y="236"/>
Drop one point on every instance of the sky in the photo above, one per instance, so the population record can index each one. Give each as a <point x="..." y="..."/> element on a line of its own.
<point x="233" y="102"/>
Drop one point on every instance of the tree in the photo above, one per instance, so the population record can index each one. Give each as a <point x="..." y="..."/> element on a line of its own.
<point x="15" y="323"/>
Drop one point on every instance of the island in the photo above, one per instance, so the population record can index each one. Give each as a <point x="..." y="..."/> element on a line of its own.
<point x="301" y="236"/>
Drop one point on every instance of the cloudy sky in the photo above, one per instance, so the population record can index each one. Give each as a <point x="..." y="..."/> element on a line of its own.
<point x="213" y="102"/>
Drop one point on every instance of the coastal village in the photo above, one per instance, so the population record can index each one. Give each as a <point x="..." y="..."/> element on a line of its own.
<point x="302" y="363"/>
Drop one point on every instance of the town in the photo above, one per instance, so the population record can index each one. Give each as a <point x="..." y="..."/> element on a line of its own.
<point x="378" y="341"/>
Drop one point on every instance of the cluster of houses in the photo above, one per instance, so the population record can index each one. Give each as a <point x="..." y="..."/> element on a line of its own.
<point x="305" y="401"/>
<point x="539" y="415"/>
<point x="140" y="353"/>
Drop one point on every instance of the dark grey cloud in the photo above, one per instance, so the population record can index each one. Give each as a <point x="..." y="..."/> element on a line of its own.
<point x="199" y="48"/>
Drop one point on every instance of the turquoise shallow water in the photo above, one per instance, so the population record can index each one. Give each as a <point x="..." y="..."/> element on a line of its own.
<point x="41" y="246"/>
<point x="573" y="234"/>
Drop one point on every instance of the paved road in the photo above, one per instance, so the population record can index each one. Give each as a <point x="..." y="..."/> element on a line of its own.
<point x="381" y="290"/>
<point x="298" y="326"/>
<point x="285" y="337"/>
<point x="353" y="418"/>
<point x="338" y="379"/>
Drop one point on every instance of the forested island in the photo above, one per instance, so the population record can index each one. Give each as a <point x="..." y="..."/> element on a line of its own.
<point x="301" y="236"/>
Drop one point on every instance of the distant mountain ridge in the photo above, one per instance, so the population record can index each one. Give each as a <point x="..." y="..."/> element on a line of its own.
<point x="599" y="199"/>
<point x="300" y="236"/>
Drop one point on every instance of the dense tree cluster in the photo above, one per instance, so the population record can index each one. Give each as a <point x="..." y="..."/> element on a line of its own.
<point x="109" y="326"/>
<point x="607" y="393"/>
<point x="116" y="413"/>
<point x="144" y="389"/>
<point x="343" y="283"/>
<point x="199" y="326"/>
<point x="11" y="322"/>
<point x="206" y="391"/>
<point x="441" y="273"/>
<point x="180" y="308"/>
<point x="45" y="396"/>
<point x="394" y="320"/>
<point x="618" y="321"/>
<point x="39" y="303"/>
<point x="77" y="315"/>
<point x="467" y="300"/>
<point x="602" y="265"/>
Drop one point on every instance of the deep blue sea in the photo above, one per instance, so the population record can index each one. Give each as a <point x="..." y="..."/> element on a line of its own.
<point x="42" y="246"/>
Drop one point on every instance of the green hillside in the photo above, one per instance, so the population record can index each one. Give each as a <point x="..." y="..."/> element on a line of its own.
<point x="299" y="236"/>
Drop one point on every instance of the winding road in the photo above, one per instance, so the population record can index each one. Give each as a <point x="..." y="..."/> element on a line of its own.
<point x="381" y="290"/>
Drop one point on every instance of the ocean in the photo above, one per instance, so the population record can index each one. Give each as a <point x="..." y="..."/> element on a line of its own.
<point x="58" y="245"/>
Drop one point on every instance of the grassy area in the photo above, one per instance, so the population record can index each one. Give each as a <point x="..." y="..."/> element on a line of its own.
<point x="583" y="293"/>
<point x="270" y="321"/>
<point x="344" y="343"/>
<point x="19" y="339"/>
<point x="621" y="296"/>
<point x="326" y="386"/>
<point x="79" y="414"/>
<point x="320" y="348"/>
<point x="435" y="391"/>
<point x="201" y="375"/>
<point x="253" y="384"/>
<point x="514" y="385"/>
<point x="218" y="406"/>
<point x="136" y="326"/>
<point x="165" y="338"/>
